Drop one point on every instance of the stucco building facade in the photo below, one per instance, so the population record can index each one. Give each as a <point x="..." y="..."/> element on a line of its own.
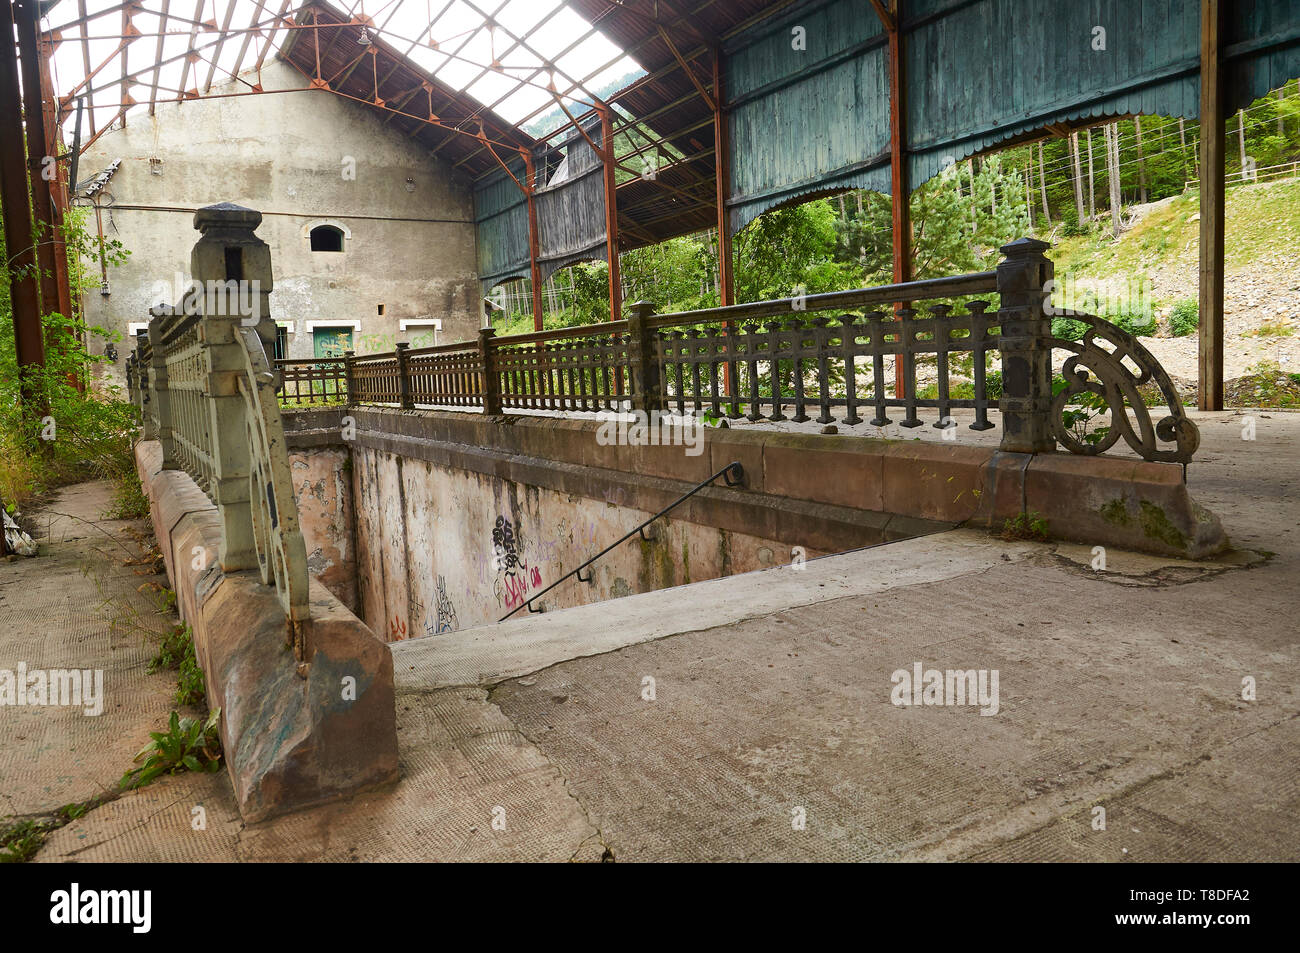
<point x="310" y="162"/>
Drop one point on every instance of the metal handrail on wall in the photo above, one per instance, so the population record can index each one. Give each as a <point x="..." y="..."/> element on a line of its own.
<point x="733" y="473"/>
<point x="817" y="353"/>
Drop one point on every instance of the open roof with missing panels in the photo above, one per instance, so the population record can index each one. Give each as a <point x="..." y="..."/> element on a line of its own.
<point x="473" y="80"/>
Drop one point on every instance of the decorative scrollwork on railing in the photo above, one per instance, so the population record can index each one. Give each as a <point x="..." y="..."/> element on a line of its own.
<point x="281" y="552"/>
<point x="1113" y="376"/>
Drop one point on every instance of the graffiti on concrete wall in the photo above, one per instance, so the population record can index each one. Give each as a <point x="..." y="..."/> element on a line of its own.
<point x="444" y="619"/>
<point x="514" y="576"/>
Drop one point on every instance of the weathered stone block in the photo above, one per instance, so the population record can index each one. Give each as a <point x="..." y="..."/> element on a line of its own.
<point x="933" y="481"/>
<point x="842" y="472"/>
<point x="289" y="741"/>
<point x="1112" y="501"/>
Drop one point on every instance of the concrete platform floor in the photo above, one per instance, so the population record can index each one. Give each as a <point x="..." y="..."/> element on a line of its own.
<point x="771" y="734"/>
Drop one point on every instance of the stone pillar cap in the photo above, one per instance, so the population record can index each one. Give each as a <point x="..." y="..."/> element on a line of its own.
<point x="1024" y="246"/>
<point x="226" y="215"/>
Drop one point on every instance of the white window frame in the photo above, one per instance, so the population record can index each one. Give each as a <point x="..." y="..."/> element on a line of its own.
<point x="406" y="325"/>
<point x="310" y="326"/>
<point x="332" y="223"/>
<point x="133" y="326"/>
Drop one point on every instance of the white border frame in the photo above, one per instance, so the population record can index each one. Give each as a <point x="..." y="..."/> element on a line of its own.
<point x="405" y="323"/>
<point x="310" y="326"/>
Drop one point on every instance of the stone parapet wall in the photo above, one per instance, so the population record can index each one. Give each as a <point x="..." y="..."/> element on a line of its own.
<point x="289" y="741"/>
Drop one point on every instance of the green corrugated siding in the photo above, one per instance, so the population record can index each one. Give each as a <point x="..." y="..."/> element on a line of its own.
<point x="501" y="220"/>
<point x="808" y="120"/>
<point x="978" y="72"/>
<point x="570" y="218"/>
<point x="1263" y="44"/>
<point x="986" y="71"/>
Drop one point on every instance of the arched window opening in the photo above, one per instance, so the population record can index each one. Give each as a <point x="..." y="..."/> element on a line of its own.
<point x="326" y="238"/>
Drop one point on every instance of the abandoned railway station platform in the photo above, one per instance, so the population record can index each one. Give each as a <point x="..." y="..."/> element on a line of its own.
<point x="495" y="499"/>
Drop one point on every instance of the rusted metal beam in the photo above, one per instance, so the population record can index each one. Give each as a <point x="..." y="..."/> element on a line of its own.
<point x="266" y="47"/>
<point x="1209" y="394"/>
<point x="191" y="54"/>
<point x="59" y="185"/>
<point x="534" y="245"/>
<point x="611" y="214"/>
<point x="216" y="55"/>
<point x="29" y="340"/>
<point x="900" y="190"/>
<point x="42" y="162"/>
<point x="248" y="37"/>
<point x="686" y="68"/>
<point x="158" y="55"/>
<point x="722" y="176"/>
<point x="85" y="58"/>
<point x="886" y="16"/>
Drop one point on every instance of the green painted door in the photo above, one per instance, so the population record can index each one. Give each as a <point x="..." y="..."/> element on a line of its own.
<point x="331" y="342"/>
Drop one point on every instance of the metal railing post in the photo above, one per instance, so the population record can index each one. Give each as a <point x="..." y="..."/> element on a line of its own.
<point x="1026" y="402"/>
<point x="403" y="378"/>
<point x="487" y="354"/>
<point x="645" y="384"/>
<point x="348" y="358"/>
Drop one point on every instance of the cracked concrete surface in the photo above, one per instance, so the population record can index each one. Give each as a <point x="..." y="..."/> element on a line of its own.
<point x="1120" y="691"/>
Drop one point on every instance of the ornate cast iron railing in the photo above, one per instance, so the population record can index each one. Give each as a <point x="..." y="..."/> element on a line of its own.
<point x="872" y="354"/>
<point x="1111" y="365"/>
<point x="207" y="392"/>
<point x="313" y="381"/>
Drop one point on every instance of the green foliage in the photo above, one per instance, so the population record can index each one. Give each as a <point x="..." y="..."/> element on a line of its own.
<point x="1185" y="318"/>
<point x="1136" y="324"/>
<point x="1081" y="412"/>
<point x="1068" y="329"/>
<point x="1274" y="329"/>
<point x="188" y="744"/>
<point x="960" y="218"/>
<point x="677" y="275"/>
<point x="1266" y="385"/>
<point x="173" y="648"/>
<point x="91" y="429"/>
<point x="129" y="501"/>
<point x="190" y="689"/>
<point x="1029" y="525"/>
<point x="176" y="652"/>
<point x="22" y="840"/>
<point x="788" y="252"/>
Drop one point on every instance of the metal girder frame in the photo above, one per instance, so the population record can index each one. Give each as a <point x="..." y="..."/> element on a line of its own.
<point x="29" y="340"/>
<point x="193" y="54"/>
<point x="900" y="191"/>
<point x="630" y="53"/>
<point x="1210" y="333"/>
<point x="258" y="23"/>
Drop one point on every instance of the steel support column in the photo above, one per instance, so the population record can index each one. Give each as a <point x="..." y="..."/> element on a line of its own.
<point x="900" y="185"/>
<point x="1210" y="350"/>
<point x="611" y="212"/>
<point x="42" y="164"/>
<point x="29" y="342"/>
<point x="59" y="189"/>
<point x="534" y="245"/>
<point x="722" y="177"/>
